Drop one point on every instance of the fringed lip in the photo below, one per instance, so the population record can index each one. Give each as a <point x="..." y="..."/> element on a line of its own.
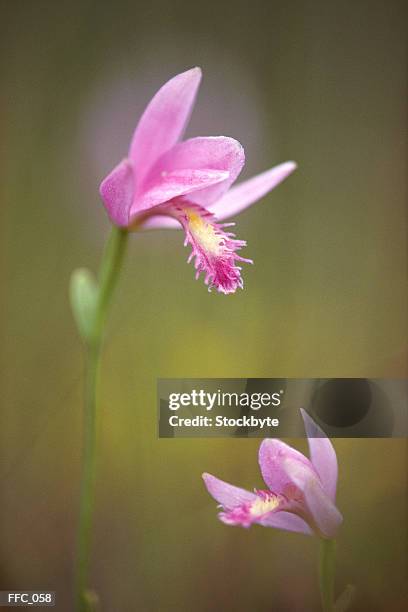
<point x="263" y="505"/>
<point x="214" y="250"/>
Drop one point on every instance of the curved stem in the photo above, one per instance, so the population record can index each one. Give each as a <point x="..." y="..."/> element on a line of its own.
<point x="108" y="275"/>
<point x="327" y="568"/>
<point x="109" y="272"/>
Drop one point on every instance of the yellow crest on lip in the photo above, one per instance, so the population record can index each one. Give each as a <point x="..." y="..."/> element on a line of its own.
<point x="204" y="232"/>
<point x="263" y="505"/>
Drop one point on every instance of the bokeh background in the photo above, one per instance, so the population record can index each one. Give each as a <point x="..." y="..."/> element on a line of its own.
<point x="320" y="82"/>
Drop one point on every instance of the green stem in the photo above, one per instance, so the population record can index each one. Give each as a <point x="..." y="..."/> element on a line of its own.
<point x="108" y="276"/>
<point x="327" y="568"/>
<point x="109" y="273"/>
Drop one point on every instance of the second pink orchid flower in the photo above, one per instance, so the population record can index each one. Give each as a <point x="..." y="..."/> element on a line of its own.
<point x="301" y="493"/>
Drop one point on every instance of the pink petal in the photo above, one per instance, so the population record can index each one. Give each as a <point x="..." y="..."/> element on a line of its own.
<point x="160" y="222"/>
<point x="117" y="193"/>
<point x="322" y="455"/>
<point x="323" y="512"/>
<point x="162" y="123"/>
<point x="272" y="456"/>
<point x="226" y="494"/>
<point x="173" y="184"/>
<point x="243" y="195"/>
<point x="213" y="153"/>
<point x="286" y="521"/>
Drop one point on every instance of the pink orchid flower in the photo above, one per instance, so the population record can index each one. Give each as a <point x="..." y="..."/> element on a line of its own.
<point x="167" y="183"/>
<point x="301" y="492"/>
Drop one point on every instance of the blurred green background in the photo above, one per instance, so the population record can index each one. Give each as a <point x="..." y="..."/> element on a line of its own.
<point x="320" y="82"/>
